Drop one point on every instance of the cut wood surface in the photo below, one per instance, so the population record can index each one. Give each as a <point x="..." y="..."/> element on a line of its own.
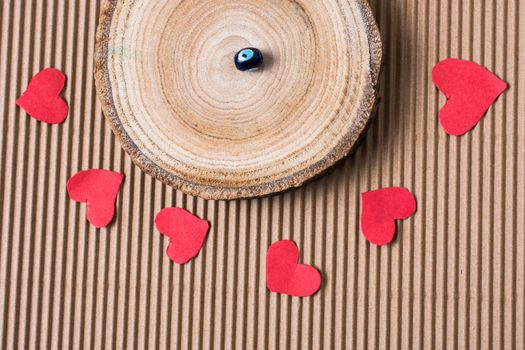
<point x="169" y="87"/>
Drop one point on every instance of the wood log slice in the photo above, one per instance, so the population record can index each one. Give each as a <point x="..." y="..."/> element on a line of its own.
<point x="166" y="77"/>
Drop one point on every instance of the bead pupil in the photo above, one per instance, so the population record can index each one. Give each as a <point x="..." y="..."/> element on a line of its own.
<point x="248" y="59"/>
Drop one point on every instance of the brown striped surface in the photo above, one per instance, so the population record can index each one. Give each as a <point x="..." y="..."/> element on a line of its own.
<point x="454" y="277"/>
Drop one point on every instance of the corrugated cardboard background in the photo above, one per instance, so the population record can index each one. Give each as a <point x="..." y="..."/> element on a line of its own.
<point x="453" y="278"/>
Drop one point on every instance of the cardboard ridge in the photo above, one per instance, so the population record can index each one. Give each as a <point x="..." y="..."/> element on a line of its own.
<point x="452" y="278"/>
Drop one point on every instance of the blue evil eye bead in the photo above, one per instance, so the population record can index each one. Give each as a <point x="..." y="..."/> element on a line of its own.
<point x="248" y="59"/>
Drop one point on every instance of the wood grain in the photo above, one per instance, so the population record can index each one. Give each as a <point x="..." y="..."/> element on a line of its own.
<point x="187" y="116"/>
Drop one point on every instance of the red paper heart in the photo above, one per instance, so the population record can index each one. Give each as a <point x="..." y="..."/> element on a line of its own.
<point x="42" y="99"/>
<point x="380" y="210"/>
<point x="470" y="90"/>
<point x="185" y="231"/>
<point x="99" y="188"/>
<point x="284" y="275"/>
